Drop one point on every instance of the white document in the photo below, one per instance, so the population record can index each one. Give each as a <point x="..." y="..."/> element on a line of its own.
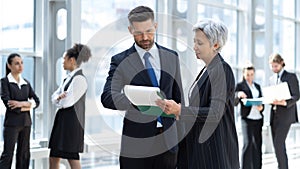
<point x="142" y="95"/>
<point x="276" y="92"/>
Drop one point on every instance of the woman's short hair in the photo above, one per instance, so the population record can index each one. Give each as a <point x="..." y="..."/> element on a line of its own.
<point x="215" y="31"/>
<point x="276" y="58"/>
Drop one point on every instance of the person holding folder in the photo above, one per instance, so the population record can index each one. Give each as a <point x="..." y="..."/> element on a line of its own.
<point x="211" y="141"/>
<point x="283" y="112"/>
<point x="148" y="142"/>
<point x="252" y="120"/>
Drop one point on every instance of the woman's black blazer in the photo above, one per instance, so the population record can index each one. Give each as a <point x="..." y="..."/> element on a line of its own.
<point x="11" y="91"/>
<point x="243" y="86"/>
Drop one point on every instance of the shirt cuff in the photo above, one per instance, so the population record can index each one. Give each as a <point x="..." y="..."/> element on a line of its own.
<point x="33" y="103"/>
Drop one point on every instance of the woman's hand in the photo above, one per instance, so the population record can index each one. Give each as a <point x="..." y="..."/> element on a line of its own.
<point x="61" y="96"/>
<point x="169" y="106"/>
<point x="242" y="95"/>
<point x="259" y="107"/>
<point x="279" y="102"/>
<point x="13" y="104"/>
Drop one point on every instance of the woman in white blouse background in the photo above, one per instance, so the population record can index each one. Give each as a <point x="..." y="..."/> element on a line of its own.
<point x="67" y="135"/>
<point x="252" y="120"/>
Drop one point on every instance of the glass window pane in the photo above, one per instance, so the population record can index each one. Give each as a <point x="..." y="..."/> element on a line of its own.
<point x="61" y="23"/>
<point x="16" y="28"/>
<point x="229" y="2"/>
<point x="181" y="5"/>
<point x="284" y="8"/>
<point x="259" y="5"/>
<point x="98" y="14"/>
<point x="284" y="41"/>
<point x="229" y="17"/>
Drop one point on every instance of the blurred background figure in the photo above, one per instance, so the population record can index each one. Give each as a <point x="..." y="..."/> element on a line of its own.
<point x="251" y="119"/>
<point x="67" y="135"/>
<point x="18" y="98"/>
<point x="283" y="112"/>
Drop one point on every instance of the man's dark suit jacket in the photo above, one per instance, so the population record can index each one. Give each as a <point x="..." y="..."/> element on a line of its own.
<point x="138" y="129"/>
<point x="287" y="114"/>
<point x="212" y="140"/>
<point x="243" y="86"/>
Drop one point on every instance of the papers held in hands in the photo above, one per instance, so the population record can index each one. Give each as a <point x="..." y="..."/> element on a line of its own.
<point x="144" y="98"/>
<point x="280" y="91"/>
<point x="270" y="93"/>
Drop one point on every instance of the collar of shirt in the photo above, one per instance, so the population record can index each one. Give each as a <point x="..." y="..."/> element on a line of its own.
<point x="280" y="73"/>
<point x="69" y="76"/>
<point x="253" y="89"/>
<point x="154" y="59"/>
<point x="250" y="85"/>
<point x="153" y="51"/>
<point x="11" y="79"/>
<point x="73" y="72"/>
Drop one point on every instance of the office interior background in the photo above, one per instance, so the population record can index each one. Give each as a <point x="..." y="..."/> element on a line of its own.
<point x="41" y="30"/>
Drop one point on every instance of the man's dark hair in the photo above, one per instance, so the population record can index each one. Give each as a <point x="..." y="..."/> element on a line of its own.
<point x="140" y="14"/>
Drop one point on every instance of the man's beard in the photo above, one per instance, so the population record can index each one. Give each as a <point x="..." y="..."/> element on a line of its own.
<point x="145" y="44"/>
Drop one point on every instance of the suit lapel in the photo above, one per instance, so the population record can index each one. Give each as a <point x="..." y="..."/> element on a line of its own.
<point x="200" y="83"/>
<point x="135" y="60"/>
<point x="204" y="78"/>
<point x="247" y="89"/>
<point x="283" y="76"/>
<point x="164" y="64"/>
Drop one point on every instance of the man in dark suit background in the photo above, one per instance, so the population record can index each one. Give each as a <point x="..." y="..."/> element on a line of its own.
<point x="148" y="142"/>
<point x="283" y="112"/>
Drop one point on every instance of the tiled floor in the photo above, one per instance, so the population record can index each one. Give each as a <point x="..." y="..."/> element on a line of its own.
<point x="293" y="164"/>
<point x="269" y="162"/>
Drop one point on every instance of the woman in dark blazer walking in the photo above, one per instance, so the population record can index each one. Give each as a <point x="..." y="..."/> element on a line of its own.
<point x="67" y="135"/>
<point x="18" y="98"/>
<point x="252" y="120"/>
<point x="211" y="142"/>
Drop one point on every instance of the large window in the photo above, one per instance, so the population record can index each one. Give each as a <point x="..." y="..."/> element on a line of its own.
<point x="286" y="8"/>
<point x="229" y="17"/>
<point x="16" y="23"/>
<point x="17" y="35"/>
<point x="284" y="40"/>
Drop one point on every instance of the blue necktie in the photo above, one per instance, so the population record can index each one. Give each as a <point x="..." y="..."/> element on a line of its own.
<point x="151" y="75"/>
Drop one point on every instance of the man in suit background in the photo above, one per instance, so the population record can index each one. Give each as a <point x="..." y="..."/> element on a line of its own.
<point x="148" y="142"/>
<point x="283" y="112"/>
